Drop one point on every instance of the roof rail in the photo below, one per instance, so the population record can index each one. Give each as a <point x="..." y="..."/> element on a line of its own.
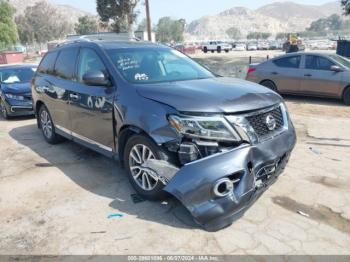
<point x="105" y="36"/>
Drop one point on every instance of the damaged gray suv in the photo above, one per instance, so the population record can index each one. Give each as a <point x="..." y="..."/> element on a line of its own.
<point x="214" y="143"/>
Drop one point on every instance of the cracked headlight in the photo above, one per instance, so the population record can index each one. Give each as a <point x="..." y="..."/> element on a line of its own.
<point x="14" y="97"/>
<point x="212" y="128"/>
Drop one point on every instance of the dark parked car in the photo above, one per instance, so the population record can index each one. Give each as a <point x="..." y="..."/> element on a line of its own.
<point x="313" y="74"/>
<point x="15" y="91"/>
<point x="214" y="143"/>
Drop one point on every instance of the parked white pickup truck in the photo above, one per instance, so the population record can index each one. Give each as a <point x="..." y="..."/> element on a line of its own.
<point x="218" y="46"/>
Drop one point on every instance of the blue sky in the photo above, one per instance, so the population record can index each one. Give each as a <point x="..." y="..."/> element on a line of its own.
<point x="188" y="9"/>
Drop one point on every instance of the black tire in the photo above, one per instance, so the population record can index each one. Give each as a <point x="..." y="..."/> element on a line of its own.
<point x="205" y="50"/>
<point x="212" y="51"/>
<point x="156" y="193"/>
<point x="227" y="50"/>
<point x="269" y="84"/>
<point x="346" y="96"/>
<point x="219" y="49"/>
<point x="48" y="132"/>
<point x="3" y="109"/>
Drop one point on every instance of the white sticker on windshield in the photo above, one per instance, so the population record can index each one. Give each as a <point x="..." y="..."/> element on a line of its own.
<point x="127" y="63"/>
<point x="141" y="77"/>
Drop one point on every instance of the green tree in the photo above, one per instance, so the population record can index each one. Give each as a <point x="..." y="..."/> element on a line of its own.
<point x="258" y="35"/>
<point x="121" y="12"/>
<point x="86" y="25"/>
<point x="331" y="23"/>
<point x="169" y="30"/>
<point x="282" y="36"/>
<point x="234" y="33"/>
<point x="8" y="30"/>
<point x="41" y="23"/>
<point x="346" y="6"/>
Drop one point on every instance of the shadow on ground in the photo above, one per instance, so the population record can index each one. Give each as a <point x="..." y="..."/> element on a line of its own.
<point x="313" y="100"/>
<point x="101" y="176"/>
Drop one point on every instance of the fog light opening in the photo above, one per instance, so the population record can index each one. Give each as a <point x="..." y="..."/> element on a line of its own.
<point x="223" y="187"/>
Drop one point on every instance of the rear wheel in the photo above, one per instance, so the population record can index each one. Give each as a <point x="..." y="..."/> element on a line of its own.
<point x="3" y="109"/>
<point x="205" y="50"/>
<point x="269" y="84"/>
<point x="47" y="126"/>
<point x="138" y="150"/>
<point x="346" y="96"/>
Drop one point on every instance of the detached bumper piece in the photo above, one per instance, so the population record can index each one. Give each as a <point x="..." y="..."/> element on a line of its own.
<point x="218" y="189"/>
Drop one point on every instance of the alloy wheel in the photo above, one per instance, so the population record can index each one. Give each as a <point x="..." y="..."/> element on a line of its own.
<point x="46" y="124"/>
<point x="144" y="178"/>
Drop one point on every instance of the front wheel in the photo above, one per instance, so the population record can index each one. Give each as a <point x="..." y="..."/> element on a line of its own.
<point x="138" y="150"/>
<point x="346" y="96"/>
<point x="269" y="84"/>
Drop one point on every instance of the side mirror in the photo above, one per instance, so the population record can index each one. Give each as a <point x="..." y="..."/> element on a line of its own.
<point x="336" y="69"/>
<point x="96" y="78"/>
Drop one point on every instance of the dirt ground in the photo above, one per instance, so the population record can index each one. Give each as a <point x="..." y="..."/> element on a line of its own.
<point x="57" y="199"/>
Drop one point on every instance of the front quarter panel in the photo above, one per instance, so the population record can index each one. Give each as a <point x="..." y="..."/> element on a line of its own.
<point x="150" y="116"/>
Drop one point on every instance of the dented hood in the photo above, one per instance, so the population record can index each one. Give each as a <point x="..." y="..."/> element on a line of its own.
<point x="214" y="95"/>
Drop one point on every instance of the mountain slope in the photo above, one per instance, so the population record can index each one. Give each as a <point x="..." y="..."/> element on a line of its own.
<point x="274" y="18"/>
<point x="70" y="13"/>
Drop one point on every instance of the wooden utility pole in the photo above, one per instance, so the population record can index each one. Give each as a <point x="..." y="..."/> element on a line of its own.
<point x="148" y="19"/>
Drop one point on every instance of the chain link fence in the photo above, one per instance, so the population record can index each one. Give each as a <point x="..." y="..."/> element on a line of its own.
<point x="231" y="67"/>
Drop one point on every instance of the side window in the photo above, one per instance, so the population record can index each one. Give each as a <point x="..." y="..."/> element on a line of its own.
<point x="65" y="63"/>
<point x="318" y="63"/>
<point x="47" y="64"/>
<point x="288" y="62"/>
<point x="89" y="61"/>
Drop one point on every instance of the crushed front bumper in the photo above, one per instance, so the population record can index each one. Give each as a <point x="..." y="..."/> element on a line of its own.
<point x="258" y="166"/>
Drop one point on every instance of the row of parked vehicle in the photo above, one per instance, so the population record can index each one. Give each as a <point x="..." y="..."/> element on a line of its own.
<point x="220" y="46"/>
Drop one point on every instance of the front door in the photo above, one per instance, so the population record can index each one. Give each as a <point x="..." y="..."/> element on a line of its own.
<point x="92" y="106"/>
<point x="318" y="77"/>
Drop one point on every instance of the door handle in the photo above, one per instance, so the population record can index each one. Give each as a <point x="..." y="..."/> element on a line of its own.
<point x="308" y="75"/>
<point x="74" y="97"/>
<point x="274" y="73"/>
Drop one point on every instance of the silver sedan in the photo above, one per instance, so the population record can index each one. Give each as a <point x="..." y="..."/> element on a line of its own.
<point x="311" y="74"/>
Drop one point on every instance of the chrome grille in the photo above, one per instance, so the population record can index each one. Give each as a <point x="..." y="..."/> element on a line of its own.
<point x="258" y="122"/>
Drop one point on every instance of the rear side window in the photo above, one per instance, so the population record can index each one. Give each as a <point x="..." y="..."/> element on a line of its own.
<point x="48" y="63"/>
<point x="288" y="62"/>
<point x="318" y="63"/>
<point x="65" y="64"/>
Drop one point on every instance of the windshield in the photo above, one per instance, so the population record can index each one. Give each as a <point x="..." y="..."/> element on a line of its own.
<point x="156" y="65"/>
<point x="16" y="75"/>
<point x="341" y="60"/>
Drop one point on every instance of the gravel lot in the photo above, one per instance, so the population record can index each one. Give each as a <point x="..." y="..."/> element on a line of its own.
<point x="56" y="199"/>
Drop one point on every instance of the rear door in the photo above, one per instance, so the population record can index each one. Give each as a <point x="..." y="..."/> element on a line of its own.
<point x="60" y="87"/>
<point x="286" y="73"/>
<point x="53" y="90"/>
<point x="319" y="79"/>
<point x="92" y="106"/>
